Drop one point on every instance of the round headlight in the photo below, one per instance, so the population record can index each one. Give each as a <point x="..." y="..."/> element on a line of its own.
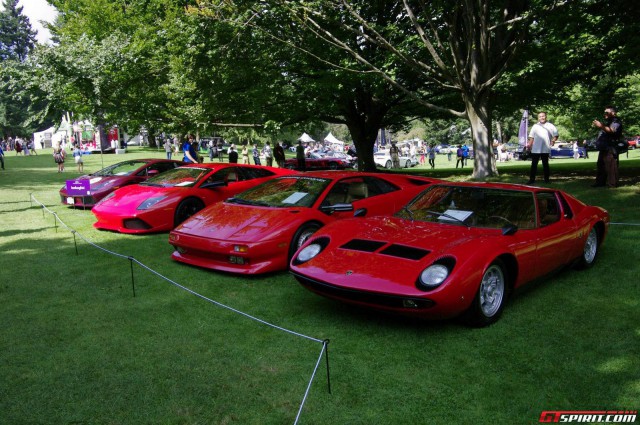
<point x="308" y="252"/>
<point x="434" y="275"/>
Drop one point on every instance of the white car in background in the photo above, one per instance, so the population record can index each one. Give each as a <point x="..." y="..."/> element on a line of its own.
<point x="383" y="159"/>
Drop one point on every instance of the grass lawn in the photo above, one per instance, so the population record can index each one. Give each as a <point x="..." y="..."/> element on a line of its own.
<point x="77" y="347"/>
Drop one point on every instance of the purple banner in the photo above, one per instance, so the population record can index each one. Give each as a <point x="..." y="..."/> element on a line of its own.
<point x="523" y="133"/>
<point x="80" y="187"/>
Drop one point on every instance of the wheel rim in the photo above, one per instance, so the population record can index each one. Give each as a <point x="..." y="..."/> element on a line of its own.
<point x="591" y="247"/>
<point x="491" y="291"/>
<point x="304" y="236"/>
<point x="388" y="165"/>
<point x="187" y="211"/>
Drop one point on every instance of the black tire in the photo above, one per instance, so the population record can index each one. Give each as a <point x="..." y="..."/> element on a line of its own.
<point x="491" y="297"/>
<point x="407" y="164"/>
<point x="302" y="234"/>
<point x="388" y="165"/>
<point x="186" y="209"/>
<point x="333" y="166"/>
<point x="590" y="250"/>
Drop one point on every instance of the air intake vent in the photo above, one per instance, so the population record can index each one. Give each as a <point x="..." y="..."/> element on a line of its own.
<point x="363" y="245"/>
<point x="407" y="252"/>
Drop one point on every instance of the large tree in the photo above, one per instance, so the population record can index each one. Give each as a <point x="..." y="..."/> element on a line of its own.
<point x="17" y="39"/>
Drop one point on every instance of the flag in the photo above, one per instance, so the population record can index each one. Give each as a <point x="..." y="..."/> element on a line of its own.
<point x="523" y="133"/>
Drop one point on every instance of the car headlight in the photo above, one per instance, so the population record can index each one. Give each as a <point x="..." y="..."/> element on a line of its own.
<point x="150" y="202"/>
<point x="434" y="275"/>
<point x="106" y="198"/>
<point x="311" y="251"/>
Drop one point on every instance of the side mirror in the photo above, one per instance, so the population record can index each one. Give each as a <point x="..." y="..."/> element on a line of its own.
<point x="212" y="185"/>
<point x="360" y="212"/>
<point x="152" y="173"/>
<point x="330" y="209"/>
<point x="509" y="229"/>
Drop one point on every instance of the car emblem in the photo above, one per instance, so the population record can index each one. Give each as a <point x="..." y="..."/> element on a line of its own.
<point x="349" y="272"/>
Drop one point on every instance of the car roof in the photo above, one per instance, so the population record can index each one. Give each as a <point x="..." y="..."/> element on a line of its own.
<point x="328" y="174"/>
<point x="490" y="185"/>
<point x="220" y="165"/>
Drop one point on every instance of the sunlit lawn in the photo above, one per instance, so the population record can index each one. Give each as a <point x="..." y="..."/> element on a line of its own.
<point x="77" y="347"/>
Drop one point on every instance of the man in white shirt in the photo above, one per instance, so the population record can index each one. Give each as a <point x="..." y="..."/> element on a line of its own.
<point x="542" y="136"/>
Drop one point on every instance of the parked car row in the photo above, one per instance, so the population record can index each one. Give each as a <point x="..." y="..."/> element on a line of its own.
<point x="390" y="242"/>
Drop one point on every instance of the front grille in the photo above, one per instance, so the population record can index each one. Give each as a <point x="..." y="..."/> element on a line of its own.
<point x="135" y="224"/>
<point x="374" y="299"/>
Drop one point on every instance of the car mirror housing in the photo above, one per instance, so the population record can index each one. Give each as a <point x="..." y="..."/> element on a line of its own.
<point x="509" y="229"/>
<point x="360" y="212"/>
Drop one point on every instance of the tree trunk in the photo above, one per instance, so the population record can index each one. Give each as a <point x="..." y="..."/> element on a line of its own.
<point x="484" y="164"/>
<point x="363" y="139"/>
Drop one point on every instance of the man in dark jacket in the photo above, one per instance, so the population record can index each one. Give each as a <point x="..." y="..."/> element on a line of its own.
<point x="610" y="133"/>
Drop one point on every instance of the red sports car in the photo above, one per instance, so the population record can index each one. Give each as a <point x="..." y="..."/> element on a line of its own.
<point x="258" y="230"/>
<point x="457" y="248"/>
<point x="115" y="176"/>
<point x="320" y="161"/>
<point x="164" y="201"/>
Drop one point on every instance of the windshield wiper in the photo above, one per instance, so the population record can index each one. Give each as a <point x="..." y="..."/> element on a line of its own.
<point x="246" y="202"/>
<point x="441" y="214"/>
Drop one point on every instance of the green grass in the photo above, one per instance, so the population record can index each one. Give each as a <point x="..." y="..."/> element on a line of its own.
<point x="77" y="347"/>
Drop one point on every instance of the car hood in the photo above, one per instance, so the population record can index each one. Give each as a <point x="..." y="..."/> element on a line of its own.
<point x="386" y="254"/>
<point x="242" y="223"/>
<point x="132" y="196"/>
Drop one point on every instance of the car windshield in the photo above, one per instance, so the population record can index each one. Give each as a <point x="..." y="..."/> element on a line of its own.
<point x="120" y="169"/>
<point x="472" y="207"/>
<point x="181" y="176"/>
<point x="294" y="191"/>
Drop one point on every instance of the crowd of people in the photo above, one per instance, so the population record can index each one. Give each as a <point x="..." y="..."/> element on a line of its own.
<point x="542" y="136"/>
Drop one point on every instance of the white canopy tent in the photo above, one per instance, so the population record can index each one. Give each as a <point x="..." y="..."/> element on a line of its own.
<point x="305" y="138"/>
<point x="336" y="145"/>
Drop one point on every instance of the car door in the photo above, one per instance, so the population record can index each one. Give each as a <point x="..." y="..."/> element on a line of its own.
<point x="556" y="233"/>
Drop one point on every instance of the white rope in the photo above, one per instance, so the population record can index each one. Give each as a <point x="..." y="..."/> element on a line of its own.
<point x="219" y="304"/>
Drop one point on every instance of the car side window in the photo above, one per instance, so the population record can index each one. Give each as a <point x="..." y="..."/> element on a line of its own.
<point x="227" y="175"/>
<point x="378" y="186"/>
<point x="254" y="173"/>
<point x="548" y="208"/>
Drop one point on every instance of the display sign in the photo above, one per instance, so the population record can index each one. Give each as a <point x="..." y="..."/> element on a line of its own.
<point x="81" y="187"/>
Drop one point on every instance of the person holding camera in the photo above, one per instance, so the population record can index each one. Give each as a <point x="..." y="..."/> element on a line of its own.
<point x="610" y="132"/>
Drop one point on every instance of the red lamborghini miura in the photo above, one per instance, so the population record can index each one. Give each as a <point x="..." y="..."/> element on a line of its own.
<point x="258" y="230"/>
<point x="164" y="201"/>
<point x="457" y="248"/>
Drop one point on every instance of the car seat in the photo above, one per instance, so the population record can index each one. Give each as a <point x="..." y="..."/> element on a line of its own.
<point x="356" y="192"/>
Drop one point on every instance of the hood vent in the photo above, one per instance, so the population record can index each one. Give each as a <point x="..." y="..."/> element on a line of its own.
<point x="363" y="245"/>
<point x="403" y="251"/>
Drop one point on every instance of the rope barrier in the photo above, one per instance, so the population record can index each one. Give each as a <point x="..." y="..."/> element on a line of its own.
<point x="324" y="351"/>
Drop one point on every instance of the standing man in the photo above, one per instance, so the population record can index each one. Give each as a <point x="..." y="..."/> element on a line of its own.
<point x="278" y="154"/>
<point x="233" y="154"/>
<point x="1" y="157"/>
<point x="394" y="152"/>
<point x="256" y="154"/>
<point x="190" y="155"/>
<point x="610" y="132"/>
<point x="168" y="149"/>
<point x="300" y="156"/>
<point x="542" y="136"/>
<point x="268" y="154"/>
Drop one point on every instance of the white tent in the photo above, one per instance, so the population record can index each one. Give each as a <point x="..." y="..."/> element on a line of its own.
<point x="331" y="139"/>
<point x="305" y="138"/>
